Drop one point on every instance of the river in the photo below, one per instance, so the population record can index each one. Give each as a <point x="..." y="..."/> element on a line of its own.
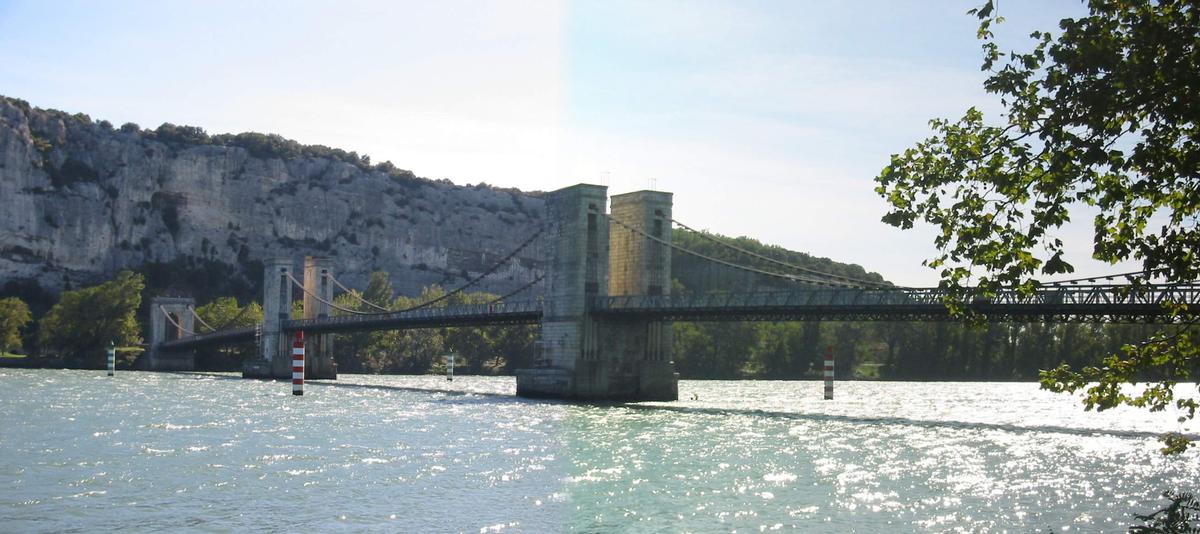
<point x="80" y="451"/>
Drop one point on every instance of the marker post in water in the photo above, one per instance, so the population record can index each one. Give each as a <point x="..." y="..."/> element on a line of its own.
<point x="112" y="358"/>
<point x="450" y="366"/>
<point x="828" y="373"/>
<point x="298" y="364"/>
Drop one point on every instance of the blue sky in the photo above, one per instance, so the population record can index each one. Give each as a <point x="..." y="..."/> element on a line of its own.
<point x="767" y="119"/>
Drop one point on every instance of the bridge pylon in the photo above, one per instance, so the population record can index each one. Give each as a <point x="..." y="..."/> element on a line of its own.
<point x="640" y="266"/>
<point x="274" y="358"/>
<point x="319" y="362"/>
<point x="170" y="319"/>
<point x="584" y="357"/>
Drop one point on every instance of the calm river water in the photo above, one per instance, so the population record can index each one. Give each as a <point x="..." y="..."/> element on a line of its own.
<point x="80" y="451"/>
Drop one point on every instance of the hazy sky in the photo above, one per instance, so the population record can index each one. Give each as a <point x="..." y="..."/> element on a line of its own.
<point x="766" y="119"/>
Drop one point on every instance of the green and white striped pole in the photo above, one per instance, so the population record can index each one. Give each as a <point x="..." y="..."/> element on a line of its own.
<point x="450" y="366"/>
<point x="112" y="358"/>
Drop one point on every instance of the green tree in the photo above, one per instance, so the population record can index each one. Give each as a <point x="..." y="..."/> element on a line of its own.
<point x="222" y="313"/>
<point x="86" y="320"/>
<point x="379" y="289"/>
<point x="350" y="349"/>
<point x="14" y="315"/>
<point x="225" y="312"/>
<point x="1104" y="115"/>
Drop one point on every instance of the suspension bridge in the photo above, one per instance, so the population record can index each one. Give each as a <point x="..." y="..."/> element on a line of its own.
<point x="605" y="302"/>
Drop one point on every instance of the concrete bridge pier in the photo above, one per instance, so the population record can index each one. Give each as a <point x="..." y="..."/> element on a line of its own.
<point x="162" y="329"/>
<point x="274" y="360"/>
<point x="587" y="357"/>
<point x="318" y="358"/>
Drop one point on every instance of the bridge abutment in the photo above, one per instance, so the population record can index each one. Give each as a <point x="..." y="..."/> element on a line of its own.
<point x="180" y="324"/>
<point x="584" y="356"/>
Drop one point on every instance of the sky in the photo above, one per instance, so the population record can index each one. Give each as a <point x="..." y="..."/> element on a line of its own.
<point x="768" y="119"/>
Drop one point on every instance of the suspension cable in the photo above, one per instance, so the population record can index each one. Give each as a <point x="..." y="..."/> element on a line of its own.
<point x="445" y="296"/>
<point x="172" y="321"/>
<point x="482" y="275"/>
<point x="1104" y="276"/>
<point x="224" y="325"/>
<point x="789" y="277"/>
<point x="518" y="290"/>
<point x="330" y="304"/>
<point x="709" y="237"/>
<point x="235" y="318"/>
<point x="201" y="319"/>
<point x="356" y="295"/>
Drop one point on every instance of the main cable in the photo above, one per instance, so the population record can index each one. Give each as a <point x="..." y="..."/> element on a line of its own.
<point x="174" y="322"/>
<point x="444" y="296"/>
<point x="518" y="290"/>
<point x="356" y="295"/>
<point x="318" y="298"/>
<point x="235" y="318"/>
<point x="789" y="277"/>
<point x="201" y="319"/>
<point x="709" y="237"/>
<point x="482" y="275"/>
<point x="1104" y="276"/>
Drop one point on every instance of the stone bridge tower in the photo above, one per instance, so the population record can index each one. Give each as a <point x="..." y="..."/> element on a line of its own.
<point x="162" y="329"/>
<point x="277" y="308"/>
<point x="275" y="344"/>
<point x="639" y="265"/>
<point x="319" y="362"/>
<point x="585" y="357"/>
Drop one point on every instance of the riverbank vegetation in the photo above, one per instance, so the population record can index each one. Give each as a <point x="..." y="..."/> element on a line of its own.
<point x="86" y="320"/>
<point x="14" y="316"/>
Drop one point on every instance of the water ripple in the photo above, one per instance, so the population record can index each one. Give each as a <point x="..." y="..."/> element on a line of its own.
<point x="159" y="451"/>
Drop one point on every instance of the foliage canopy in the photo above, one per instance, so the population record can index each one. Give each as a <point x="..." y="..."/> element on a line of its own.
<point x="87" y="319"/>
<point x="1103" y="115"/>
<point x="14" y="315"/>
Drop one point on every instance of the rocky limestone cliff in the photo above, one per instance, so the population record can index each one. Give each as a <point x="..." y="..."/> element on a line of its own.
<point x="80" y="200"/>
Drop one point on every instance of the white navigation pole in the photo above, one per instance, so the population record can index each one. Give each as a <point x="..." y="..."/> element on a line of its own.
<point x="298" y="364"/>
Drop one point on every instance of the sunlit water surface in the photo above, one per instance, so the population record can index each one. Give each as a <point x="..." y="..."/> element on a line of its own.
<point x="80" y="451"/>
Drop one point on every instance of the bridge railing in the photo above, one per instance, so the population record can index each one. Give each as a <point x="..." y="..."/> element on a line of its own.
<point x="228" y="335"/>
<point x="1058" y="296"/>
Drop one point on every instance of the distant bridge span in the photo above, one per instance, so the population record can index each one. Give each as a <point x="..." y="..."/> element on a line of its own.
<point x="607" y="304"/>
<point x="1098" y="303"/>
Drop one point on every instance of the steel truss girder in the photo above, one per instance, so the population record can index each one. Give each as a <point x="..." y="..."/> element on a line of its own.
<point x="845" y="315"/>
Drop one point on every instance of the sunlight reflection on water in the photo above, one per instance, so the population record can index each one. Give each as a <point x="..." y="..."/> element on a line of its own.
<point x="151" y="451"/>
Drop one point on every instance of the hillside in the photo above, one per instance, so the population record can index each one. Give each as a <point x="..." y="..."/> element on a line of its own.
<point x="198" y="213"/>
<point x="83" y="200"/>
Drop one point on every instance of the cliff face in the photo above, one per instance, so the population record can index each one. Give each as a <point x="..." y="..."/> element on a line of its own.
<point x="80" y="200"/>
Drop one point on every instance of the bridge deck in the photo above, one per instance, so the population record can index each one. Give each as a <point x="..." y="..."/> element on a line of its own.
<point x="1109" y="303"/>
<point x="525" y="312"/>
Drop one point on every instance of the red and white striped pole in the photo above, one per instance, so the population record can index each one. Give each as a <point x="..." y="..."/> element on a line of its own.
<point x="828" y="373"/>
<point x="298" y="364"/>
